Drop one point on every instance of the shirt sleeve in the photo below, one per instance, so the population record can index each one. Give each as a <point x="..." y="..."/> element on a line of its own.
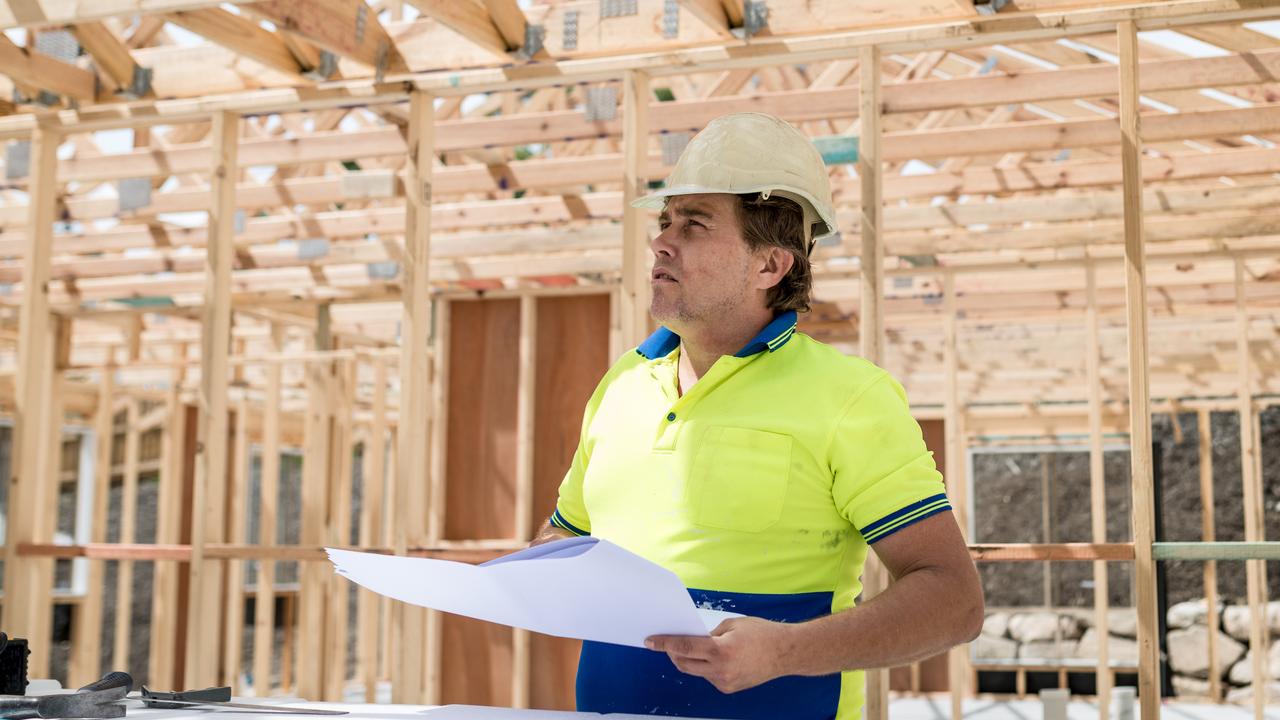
<point x="571" y="509"/>
<point x="885" y="479"/>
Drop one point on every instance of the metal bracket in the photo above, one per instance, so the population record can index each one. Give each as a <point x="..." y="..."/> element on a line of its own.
<point x="989" y="7"/>
<point x="312" y="248"/>
<point x="362" y="12"/>
<point x="670" y="19"/>
<point x="17" y="159"/>
<point x="617" y="8"/>
<point x="133" y="193"/>
<point x="325" y="70"/>
<point x="60" y="44"/>
<point x="601" y="105"/>
<point x="569" y="37"/>
<point x="383" y="270"/>
<point x="673" y="144"/>
<point x="533" y="37"/>
<point x="380" y="62"/>
<point x="140" y="86"/>
<point x="755" y="16"/>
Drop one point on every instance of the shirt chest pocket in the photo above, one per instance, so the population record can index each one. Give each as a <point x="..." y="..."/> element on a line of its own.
<point x="739" y="479"/>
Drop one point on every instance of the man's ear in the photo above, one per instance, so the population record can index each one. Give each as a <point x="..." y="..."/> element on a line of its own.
<point x="774" y="265"/>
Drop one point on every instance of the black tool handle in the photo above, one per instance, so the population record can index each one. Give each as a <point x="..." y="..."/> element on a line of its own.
<point x="111" y="680"/>
<point x="155" y="699"/>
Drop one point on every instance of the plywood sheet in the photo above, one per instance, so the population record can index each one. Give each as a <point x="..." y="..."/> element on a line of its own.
<point x="572" y="355"/>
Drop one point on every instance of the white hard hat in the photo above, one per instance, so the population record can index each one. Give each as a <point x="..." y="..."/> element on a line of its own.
<point x="745" y="153"/>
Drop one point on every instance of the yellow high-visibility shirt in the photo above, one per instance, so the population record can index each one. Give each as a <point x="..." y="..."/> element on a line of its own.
<point x="761" y="488"/>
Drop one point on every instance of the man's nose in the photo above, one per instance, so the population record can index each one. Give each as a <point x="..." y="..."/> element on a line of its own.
<point x="661" y="245"/>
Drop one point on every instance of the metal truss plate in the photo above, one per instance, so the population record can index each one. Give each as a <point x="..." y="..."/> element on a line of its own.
<point x="133" y="193"/>
<point x="671" y="19"/>
<point x="602" y="104"/>
<point x="383" y="270"/>
<point x="617" y="8"/>
<point x="673" y="143"/>
<point x="17" y="159"/>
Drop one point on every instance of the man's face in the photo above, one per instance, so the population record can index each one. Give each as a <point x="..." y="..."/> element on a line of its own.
<point x="702" y="269"/>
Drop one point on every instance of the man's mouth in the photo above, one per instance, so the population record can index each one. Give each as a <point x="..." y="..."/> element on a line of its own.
<point x="660" y="275"/>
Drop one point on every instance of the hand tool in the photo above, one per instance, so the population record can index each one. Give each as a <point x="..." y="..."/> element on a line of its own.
<point x="95" y="701"/>
<point x="13" y="665"/>
<point x="218" y="697"/>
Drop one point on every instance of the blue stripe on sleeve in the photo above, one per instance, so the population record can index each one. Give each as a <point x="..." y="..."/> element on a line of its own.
<point x="909" y="515"/>
<point x="558" y="520"/>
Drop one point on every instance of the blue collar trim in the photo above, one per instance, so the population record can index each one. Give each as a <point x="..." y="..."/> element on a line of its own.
<point x="774" y="335"/>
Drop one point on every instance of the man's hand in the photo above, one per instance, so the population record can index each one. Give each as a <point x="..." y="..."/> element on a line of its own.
<point x="741" y="653"/>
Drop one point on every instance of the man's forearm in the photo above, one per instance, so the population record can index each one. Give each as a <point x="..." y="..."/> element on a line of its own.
<point x="549" y="532"/>
<point x="920" y="615"/>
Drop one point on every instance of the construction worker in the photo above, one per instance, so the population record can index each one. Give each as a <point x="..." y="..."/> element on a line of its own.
<point x="758" y="464"/>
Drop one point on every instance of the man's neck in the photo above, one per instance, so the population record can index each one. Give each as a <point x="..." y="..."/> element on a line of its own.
<point x="701" y="346"/>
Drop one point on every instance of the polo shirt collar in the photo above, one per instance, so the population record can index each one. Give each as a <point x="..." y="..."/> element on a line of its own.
<point x="774" y="335"/>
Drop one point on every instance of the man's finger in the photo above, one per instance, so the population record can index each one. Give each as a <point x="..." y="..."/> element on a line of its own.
<point x="684" y="645"/>
<point x="724" y="627"/>
<point x="689" y="666"/>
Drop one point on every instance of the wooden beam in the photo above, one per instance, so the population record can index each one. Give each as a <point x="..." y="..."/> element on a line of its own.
<point x="338" y="530"/>
<point x="1104" y="678"/>
<point x="162" y="659"/>
<point x="372" y="529"/>
<point x="208" y="515"/>
<point x="470" y="20"/>
<point x="510" y="21"/>
<point x="1143" y="509"/>
<point x="38" y="70"/>
<point x="412" y="501"/>
<point x="64" y="12"/>
<point x="116" y="67"/>
<point x="1251" y="482"/>
<point x="242" y="35"/>
<point x="237" y="507"/>
<point x="348" y="28"/>
<point x="148" y="27"/>
<point x="437" y="478"/>
<point x="128" y="523"/>
<point x="86" y="639"/>
<point x="268" y="504"/>
<point x="711" y="13"/>
<point x="526" y="390"/>
<point x="31" y="483"/>
<point x="735" y="11"/>
<point x="1208" y="533"/>
<point x="871" y="319"/>
<point x="636" y="292"/>
<point x="1040" y="552"/>
<point x="319" y="438"/>
<point x="827" y="46"/>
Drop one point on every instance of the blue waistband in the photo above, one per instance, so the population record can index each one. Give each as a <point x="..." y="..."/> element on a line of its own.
<point x="620" y="679"/>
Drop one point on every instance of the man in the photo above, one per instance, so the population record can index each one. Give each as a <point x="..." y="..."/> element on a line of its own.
<point x="759" y="464"/>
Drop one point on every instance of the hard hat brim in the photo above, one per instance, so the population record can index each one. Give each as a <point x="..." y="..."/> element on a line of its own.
<point x="658" y="200"/>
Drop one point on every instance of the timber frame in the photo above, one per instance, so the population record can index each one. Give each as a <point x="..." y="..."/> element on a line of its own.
<point x="1055" y="221"/>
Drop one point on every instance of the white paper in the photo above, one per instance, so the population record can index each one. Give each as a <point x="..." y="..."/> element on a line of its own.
<point x="584" y="588"/>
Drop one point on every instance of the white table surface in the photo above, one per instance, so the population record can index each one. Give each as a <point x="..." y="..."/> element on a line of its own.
<point x="369" y="711"/>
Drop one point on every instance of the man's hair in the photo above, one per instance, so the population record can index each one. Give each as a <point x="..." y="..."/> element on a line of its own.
<point x="779" y="222"/>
